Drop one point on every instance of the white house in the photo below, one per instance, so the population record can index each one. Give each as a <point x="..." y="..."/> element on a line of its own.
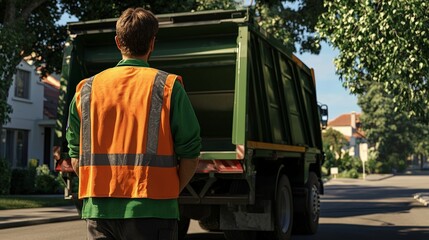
<point x="350" y="126"/>
<point x="29" y="133"/>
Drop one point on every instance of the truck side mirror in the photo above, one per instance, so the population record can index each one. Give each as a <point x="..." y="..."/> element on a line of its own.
<point x="323" y="111"/>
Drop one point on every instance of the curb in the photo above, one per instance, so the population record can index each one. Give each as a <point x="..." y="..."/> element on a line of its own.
<point x="369" y="178"/>
<point x="12" y="218"/>
<point x="380" y="177"/>
<point x="4" y="225"/>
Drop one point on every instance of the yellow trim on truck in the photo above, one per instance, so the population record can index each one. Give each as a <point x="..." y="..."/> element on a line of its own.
<point x="273" y="146"/>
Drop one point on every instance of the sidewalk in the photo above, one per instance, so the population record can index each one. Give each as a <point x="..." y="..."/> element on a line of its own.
<point x="422" y="197"/>
<point x="377" y="177"/>
<point x="31" y="216"/>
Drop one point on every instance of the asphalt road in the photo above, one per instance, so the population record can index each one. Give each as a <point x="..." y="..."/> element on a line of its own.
<point x="351" y="210"/>
<point x="374" y="210"/>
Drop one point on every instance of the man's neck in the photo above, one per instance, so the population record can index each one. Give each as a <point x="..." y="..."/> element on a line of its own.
<point x="144" y="58"/>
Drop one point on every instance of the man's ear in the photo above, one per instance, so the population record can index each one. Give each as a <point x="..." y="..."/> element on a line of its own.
<point x="152" y="44"/>
<point x="118" y="44"/>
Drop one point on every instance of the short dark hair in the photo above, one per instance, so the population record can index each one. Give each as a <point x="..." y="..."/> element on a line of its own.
<point x="135" y="28"/>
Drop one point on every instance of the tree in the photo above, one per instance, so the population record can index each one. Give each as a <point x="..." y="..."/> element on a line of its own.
<point x="27" y="29"/>
<point x="335" y="141"/>
<point x="382" y="41"/>
<point x="391" y="132"/>
<point x="421" y="142"/>
<point x="291" y="21"/>
<point x="100" y="9"/>
<point x="333" y="144"/>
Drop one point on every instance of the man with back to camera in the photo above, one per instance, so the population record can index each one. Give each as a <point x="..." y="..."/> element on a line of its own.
<point x="127" y="125"/>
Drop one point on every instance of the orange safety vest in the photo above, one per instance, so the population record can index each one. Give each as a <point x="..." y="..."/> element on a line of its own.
<point x="126" y="145"/>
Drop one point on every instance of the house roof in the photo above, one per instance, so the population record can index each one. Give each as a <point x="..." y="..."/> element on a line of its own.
<point x="344" y="120"/>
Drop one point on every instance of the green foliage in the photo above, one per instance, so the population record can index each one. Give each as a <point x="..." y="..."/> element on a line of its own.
<point x="291" y="21"/>
<point x="23" y="181"/>
<point x="420" y="139"/>
<point x="9" y="58"/>
<point x="99" y="9"/>
<point x="352" y="173"/>
<point x="330" y="160"/>
<point x="27" y="29"/>
<point x="215" y="4"/>
<point x="13" y="202"/>
<point x="348" y="163"/>
<point x="34" y="179"/>
<point x="384" y="42"/>
<point x="46" y="181"/>
<point x="43" y="170"/>
<point x="334" y="141"/>
<point x="391" y="132"/>
<point x="371" y="166"/>
<point x="5" y="175"/>
<point x="30" y="30"/>
<point x="33" y="163"/>
<point x="347" y="166"/>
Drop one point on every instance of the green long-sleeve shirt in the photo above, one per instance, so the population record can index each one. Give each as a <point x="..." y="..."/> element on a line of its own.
<point x="187" y="144"/>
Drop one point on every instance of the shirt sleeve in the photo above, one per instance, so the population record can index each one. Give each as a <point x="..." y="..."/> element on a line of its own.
<point x="73" y="130"/>
<point x="184" y="124"/>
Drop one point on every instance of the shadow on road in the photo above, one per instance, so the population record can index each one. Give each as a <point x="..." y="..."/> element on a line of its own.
<point x="345" y="231"/>
<point x="359" y="192"/>
<point x="348" y="201"/>
<point x="359" y="232"/>
<point x="205" y="236"/>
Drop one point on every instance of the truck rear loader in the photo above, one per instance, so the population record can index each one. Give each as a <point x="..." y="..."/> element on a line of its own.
<point x="259" y="174"/>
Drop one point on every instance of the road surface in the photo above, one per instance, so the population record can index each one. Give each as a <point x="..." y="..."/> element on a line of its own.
<point x="351" y="210"/>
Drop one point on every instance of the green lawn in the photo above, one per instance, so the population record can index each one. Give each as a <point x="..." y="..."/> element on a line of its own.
<point x="15" y="202"/>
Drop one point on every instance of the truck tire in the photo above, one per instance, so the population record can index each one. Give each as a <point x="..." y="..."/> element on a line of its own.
<point x="183" y="226"/>
<point x="308" y="221"/>
<point x="283" y="212"/>
<point x="211" y="222"/>
<point x="283" y="209"/>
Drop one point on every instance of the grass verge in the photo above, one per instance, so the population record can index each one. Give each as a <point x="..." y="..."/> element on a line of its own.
<point x="16" y="202"/>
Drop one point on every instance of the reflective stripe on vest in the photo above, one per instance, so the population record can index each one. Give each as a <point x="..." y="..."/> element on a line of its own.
<point x="148" y="165"/>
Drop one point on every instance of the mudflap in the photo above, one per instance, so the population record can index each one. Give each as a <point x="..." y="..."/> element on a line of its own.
<point x="256" y="217"/>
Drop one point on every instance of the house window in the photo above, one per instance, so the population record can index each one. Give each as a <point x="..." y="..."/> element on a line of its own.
<point x="22" y="84"/>
<point x="14" y="147"/>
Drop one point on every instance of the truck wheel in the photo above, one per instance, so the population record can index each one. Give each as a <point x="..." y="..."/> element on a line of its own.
<point x="211" y="222"/>
<point x="183" y="226"/>
<point x="283" y="212"/>
<point x="308" y="221"/>
<point x="283" y="209"/>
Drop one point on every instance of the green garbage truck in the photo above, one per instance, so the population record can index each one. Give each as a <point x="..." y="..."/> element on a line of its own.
<point x="259" y="174"/>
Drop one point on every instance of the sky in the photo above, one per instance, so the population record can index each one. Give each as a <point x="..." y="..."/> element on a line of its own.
<point x="328" y="86"/>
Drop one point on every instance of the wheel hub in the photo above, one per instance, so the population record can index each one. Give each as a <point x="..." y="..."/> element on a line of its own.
<point x="315" y="202"/>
